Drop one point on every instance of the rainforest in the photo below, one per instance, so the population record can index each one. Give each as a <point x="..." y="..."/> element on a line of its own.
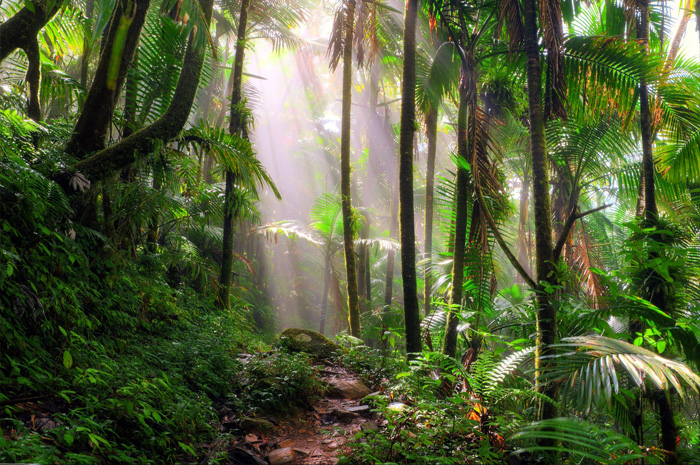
<point x="350" y="232"/>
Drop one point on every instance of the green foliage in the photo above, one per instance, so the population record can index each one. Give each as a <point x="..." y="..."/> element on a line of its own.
<point x="278" y="382"/>
<point x="581" y="440"/>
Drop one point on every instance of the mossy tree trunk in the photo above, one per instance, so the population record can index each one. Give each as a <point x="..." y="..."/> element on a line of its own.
<point x="546" y="314"/>
<point x="345" y="184"/>
<point x="406" y="213"/>
<point x="236" y="127"/>
<point x="20" y="30"/>
<point x="460" y="230"/>
<point x="93" y="125"/>
<point x="121" y="155"/>
<point x="431" y="133"/>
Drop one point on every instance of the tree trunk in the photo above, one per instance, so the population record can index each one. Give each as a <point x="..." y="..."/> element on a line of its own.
<point x="393" y="226"/>
<point x="363" y="266"/>
<point x="119" y="156"/>
<point x="93" y="125"/>
<point x="546" y="314"/>
<point x="346" y="200"/>
<point x="23" y="27"/>
<point x="154" y="221"/>
<point x="669" y="430"/>
<point x="431" y="133"/>
<point x="33" y="79"/>
<point x="326" y="285"/>
<point x="523" y="243"/>
<point x="236" y="127"/>
<point x="460" y="232"/>
<point x="406" y="213"/>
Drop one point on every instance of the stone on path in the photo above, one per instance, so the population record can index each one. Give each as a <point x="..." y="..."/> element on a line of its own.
<point x="310" y="342"/>
<point x="255" y="425"/>
<point x="348" y="388"/>
<point x="282" y="456"/>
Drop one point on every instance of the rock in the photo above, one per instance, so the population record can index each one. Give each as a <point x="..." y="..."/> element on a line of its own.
<point x="302" y="452"/>
<point x="344" y="414"/>
<point x="285" y="443"/>
<point x="310" y="342"/>
<point x="348" y="388"/>
<point x="282" y="456"/>
<point x="332" y="445"/>
<point x="360" y="409"/>
<point x="255" y="425"/>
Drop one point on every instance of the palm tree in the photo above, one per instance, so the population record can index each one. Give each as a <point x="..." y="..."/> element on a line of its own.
<point x="237" y="127"/>
<point x="342" y="43"/>
<point x="406" y="213"/>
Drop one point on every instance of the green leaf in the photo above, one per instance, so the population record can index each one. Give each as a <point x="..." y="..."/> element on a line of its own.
<point x="68" y="438"/>
<point x="67" y="359"/>
<point x="661" y="346"/>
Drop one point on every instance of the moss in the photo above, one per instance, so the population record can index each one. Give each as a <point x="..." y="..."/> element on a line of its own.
<point x="310" y="342"/>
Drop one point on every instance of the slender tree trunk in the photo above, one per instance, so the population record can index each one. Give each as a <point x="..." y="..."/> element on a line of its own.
<point x="33" y="79"/>
<point x="460" y="231"/>
<point x="431" y="132"/>
<point x="406" y="213"/>
<point x="346" y="199"/>
<point x="154" y="221"/>
<point x="236" y="127"/>
<point x="393" y="226"/>
<point x="546" y="314"/>
<point x="326" y="285"/>
<point x="363" y="266"/>
<point x="523" y="243"/>
<point x="659" y="299"/>
<point x="85" y="58"/>
<point x="93" y="125"/>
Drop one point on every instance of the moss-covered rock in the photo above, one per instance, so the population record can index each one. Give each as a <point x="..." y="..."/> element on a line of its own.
<point x="310" y="342"/>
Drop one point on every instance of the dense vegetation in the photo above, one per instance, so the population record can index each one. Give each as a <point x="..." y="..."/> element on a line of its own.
<point x="180" y="180"/>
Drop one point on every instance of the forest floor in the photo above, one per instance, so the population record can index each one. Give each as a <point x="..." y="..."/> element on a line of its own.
<point x="317" y="436"/>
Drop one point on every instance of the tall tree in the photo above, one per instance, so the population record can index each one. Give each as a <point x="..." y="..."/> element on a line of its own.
<point x="345" y="22"/>
<point x="406" y="213"/>
<point x="546" y="314"/>
<point x="237" y="126"/>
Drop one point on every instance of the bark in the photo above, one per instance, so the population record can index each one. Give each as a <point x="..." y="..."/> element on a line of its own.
<point x="523" y="243"/>
<point x="19" y="31"/>
<point x="85" y="58"/>
<point x="363" y="267"/>
<point x="119" y="156"/>
<point x="93" y="125"/>
<point x="669" y="431"/>
<point x="460" y="233"/>
<point x="154" y="221"/>
<point x="326" y="285"/>
<point x="393" y="226"/>
<point x="33" y="79"/>
<point x="236" y="127"/>
<point x="130" y="96"/>
<point x="431" y="133"/>
<point x="546" y="314"/>
<point x="406" y="213"/>
<point x="346" y="200"/>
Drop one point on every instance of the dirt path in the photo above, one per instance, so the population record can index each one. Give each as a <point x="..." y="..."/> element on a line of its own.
<point x="319" y="436"/>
